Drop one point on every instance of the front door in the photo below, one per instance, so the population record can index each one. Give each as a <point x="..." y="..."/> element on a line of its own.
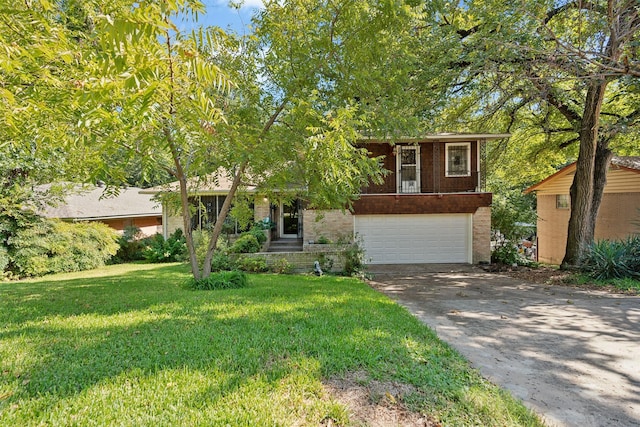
<point x="290" y="219"/>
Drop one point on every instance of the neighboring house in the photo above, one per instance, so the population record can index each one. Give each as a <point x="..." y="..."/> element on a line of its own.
<point x="128" y="208"/>
<point x="431" y="207"/>
<point x="618" y="216"/>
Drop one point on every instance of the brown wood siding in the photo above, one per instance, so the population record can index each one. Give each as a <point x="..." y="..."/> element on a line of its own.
<point x="457" y="183"/>
<point x="433" y="177"/>
<point x="382" y="204"/>
<point x="389" y="163"/>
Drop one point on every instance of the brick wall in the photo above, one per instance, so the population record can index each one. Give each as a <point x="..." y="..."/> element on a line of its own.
<point x="262" y="209"/>
<point x="333" y="225"/>
<point x="482" y="235"/>
<point x="303" y="262"/>
<point x="173" y="222"/>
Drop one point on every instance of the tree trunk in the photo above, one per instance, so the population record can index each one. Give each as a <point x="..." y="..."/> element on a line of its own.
<point x="602" y="160"/>
<point x="186" y="224"/>
<point x="222" y="216"/>
<point x="184" y="202"/>
<point x="580" y="233"/>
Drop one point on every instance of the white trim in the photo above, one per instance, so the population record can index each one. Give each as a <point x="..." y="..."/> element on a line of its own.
<point x="446" y="158"/>
<point x="479" y="177"/>
<point x="399" y="149"/>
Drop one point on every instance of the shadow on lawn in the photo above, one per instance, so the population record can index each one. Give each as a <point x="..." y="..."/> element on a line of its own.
<point x="86" y="332"/>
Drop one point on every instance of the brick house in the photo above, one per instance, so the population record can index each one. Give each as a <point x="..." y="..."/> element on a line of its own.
<point x="431" y="207"/>
<point x="618" y="217"/>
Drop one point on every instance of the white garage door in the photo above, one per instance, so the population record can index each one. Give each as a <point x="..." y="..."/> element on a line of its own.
<point x="408" y="239"/>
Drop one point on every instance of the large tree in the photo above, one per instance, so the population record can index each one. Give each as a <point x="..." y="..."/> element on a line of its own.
<point x="570" y="67"/>
<point x="280" y="109"/>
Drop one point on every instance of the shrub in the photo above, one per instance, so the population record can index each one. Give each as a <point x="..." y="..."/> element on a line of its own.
<point x="171" y="250"/>
<point x="54" y="246"/>
<point x="323" y="240"/>
<point x="132" y="245"/>
<point x="617" y="259"/>
<point x="222" y="280"/>
<point x="326" y="262"/>
<point x="247" y="243"/>
<point x="505" y="254"/>
<point x="4" y="261"/>
<point x="258" y="232"/>
<point x="252" y="264"/>
<point x="221" y="262"/>
<point x="354" y="260"/>
<point x="282" y="266"/>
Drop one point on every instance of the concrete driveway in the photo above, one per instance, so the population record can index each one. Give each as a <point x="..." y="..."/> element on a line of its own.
<point x="571" y="355"/>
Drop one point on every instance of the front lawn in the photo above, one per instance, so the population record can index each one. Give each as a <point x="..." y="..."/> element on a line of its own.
<point x="127" y="345"/>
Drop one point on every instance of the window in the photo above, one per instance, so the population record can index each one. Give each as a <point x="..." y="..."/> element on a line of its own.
<point x="408" y="168"/>
<point x="458" y="159"/>
<point x="207" y="209"/>
<point x="562" y="201"/>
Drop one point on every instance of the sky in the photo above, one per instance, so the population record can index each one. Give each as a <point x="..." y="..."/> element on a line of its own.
<point x="220" y="14"/>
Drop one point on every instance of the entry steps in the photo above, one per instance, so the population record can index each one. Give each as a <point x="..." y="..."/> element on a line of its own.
<point x="286" y="245"/>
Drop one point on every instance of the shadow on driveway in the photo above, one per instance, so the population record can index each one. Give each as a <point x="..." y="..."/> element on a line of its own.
<point x="571" y="355"/>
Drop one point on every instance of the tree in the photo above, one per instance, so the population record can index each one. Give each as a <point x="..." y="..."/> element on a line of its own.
<point x="572" y="67"/>
<point x="280" y="110"/>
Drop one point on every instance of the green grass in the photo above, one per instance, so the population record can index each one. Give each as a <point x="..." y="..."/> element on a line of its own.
<point x="627" y="284"/>
<point x="127" y="345"/>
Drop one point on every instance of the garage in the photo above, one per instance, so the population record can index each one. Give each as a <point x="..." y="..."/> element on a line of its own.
<point x="412" y="239"/>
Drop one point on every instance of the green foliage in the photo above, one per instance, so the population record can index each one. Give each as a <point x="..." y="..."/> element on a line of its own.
<point x="221" y="280"/>
<point x="247" y="243"/>
<point x="171" y="250"/>
<point x="221" y="262"/>
<point x="53" y="246"/>
<point x="281" y="266"/>
<point x="505" y="254"/>
<point x="513" y="214"/>
<point x="259" y="232"/>
<point x="616" y="259"/>
<point x="354" y="260"/>
<point x="323" y="240"/>
<point x="139" y="346"/>
<point x="252" y="264"/>
<point x="4" y="261"/>
<point x="326" y="263"/>
<point x="132" y="246"/>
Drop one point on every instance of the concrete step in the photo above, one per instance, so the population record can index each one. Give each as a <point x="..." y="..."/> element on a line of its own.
<point x="286" y="245"/>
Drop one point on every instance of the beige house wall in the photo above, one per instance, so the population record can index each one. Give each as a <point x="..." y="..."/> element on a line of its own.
<point x="616" y="218"/>
<point x="333" y="225"/>
<point x="552" y="230"/>
<point x="262" y="209"/>
<point x="481" y="235"/>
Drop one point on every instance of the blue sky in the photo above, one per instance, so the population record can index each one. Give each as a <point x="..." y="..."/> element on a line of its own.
<point x="220" y="14"/>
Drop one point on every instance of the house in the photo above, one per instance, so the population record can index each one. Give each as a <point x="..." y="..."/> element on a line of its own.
<point x="431" y="207"/>
<point x="127" y="208"/>
<point x="619" y="213"/>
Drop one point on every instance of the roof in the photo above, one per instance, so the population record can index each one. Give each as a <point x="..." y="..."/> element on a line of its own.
<point x="218" y="183"/>
<point x="629" y="163"/>
<point x="86" y="202"/>
<point x="445" y="136"/>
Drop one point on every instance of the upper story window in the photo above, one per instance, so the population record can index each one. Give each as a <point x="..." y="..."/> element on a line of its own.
<point x="458" y="159"/>
<point x="562" y="201"/>
<point x="408" y="168"/>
